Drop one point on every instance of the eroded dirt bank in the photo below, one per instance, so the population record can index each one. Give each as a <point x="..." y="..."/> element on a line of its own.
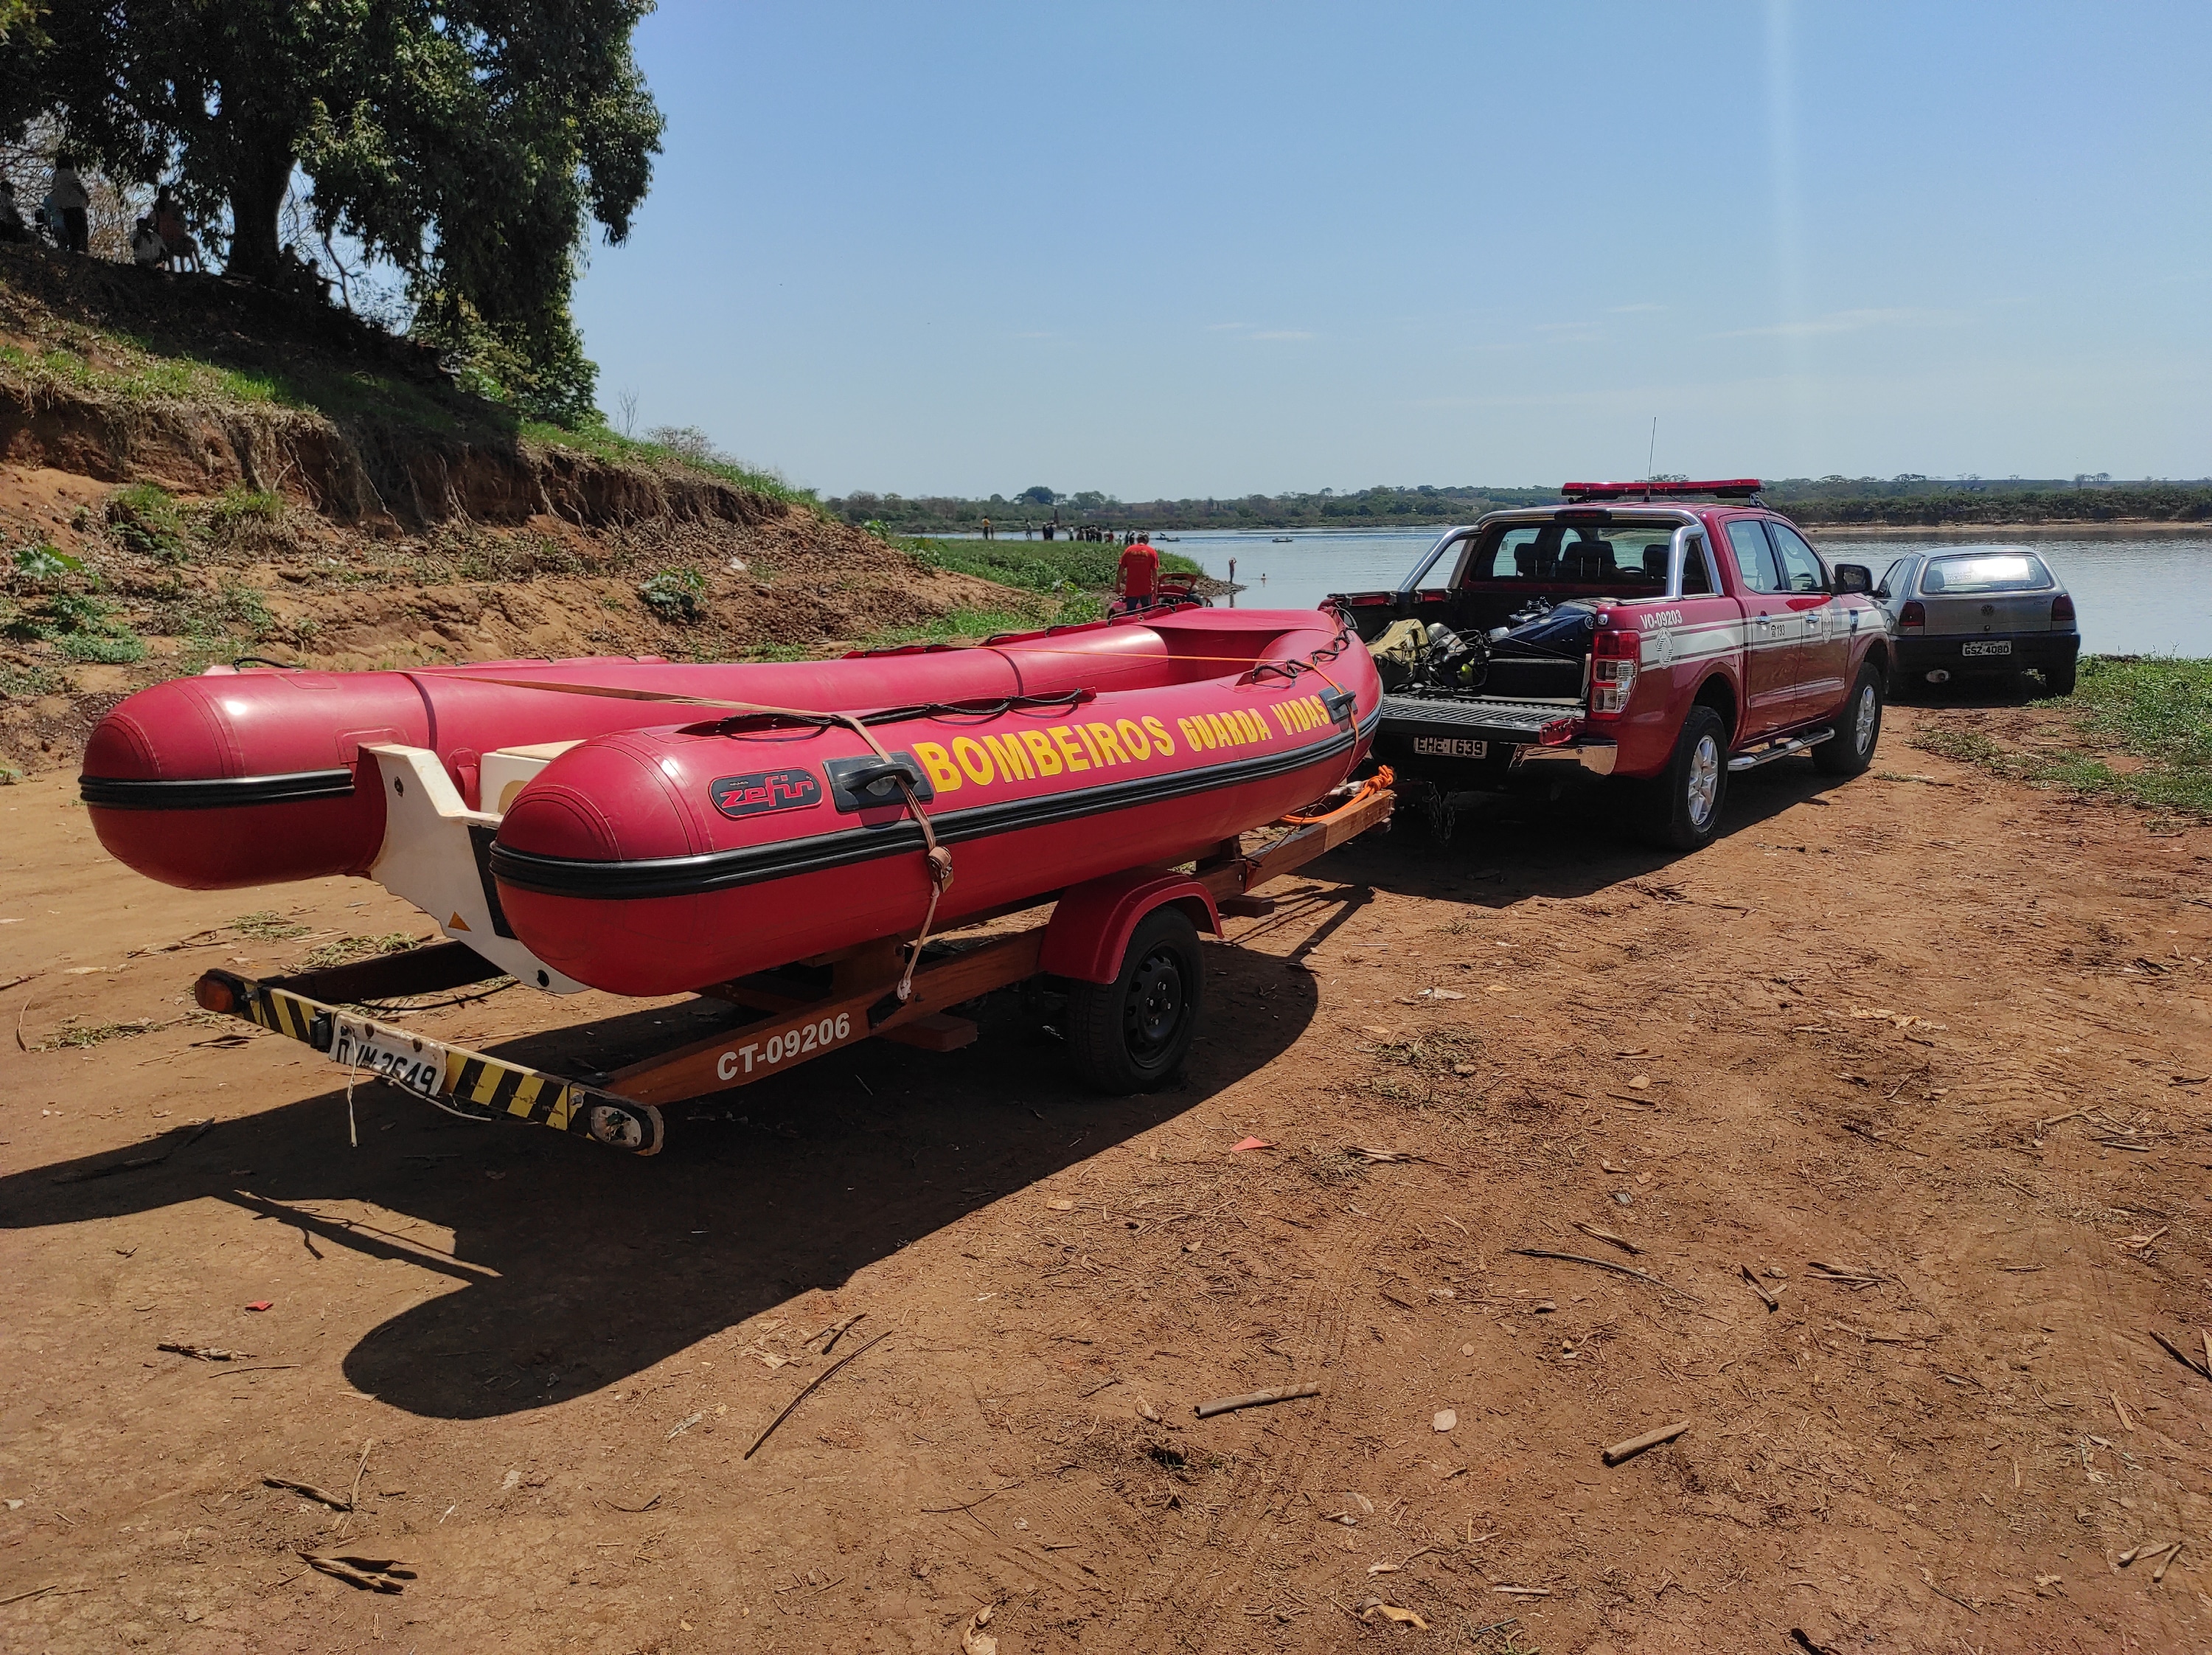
<point x="1949" y="1034"/>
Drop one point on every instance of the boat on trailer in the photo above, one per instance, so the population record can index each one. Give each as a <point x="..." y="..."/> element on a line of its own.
<point x="790" y="838"/>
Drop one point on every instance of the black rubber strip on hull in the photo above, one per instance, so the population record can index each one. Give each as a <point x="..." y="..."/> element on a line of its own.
<point x="723" y="870"/>
<point x="215" y="793"/>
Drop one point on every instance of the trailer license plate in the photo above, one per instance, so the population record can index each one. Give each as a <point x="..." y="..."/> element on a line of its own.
<point x="1448" y="747"/>
<point x="1987" y="647"/>
<point x="393" y="1054"/>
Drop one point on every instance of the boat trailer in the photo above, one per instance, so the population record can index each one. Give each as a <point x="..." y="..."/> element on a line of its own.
<point x="803" y="1011"/>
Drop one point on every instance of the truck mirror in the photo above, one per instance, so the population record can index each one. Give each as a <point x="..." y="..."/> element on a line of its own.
<point x="1854" y="577"/>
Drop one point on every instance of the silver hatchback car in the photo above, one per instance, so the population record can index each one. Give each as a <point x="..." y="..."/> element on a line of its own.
<point x="1978" y="611"/>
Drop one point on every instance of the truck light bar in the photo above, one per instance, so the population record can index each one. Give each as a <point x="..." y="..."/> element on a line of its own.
<point x="1733" y="488"/>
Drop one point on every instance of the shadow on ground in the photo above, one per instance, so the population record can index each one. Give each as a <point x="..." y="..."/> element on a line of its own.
<point x="1506" y="847"/>
<point x="574" y="1266"/>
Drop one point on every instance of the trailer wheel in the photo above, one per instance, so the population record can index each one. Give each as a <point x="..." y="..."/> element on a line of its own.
<point x="1131" y="1034"/>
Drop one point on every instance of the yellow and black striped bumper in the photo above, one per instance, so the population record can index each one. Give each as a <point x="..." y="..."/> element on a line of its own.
<point x="478" y="1087"/>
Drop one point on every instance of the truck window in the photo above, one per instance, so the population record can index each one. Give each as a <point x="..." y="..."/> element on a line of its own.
<point x="1754" y="559"/>
<point x="1625" y="557"/>
<point x="1801" y="569"/>
<point x="1697" y="575"/>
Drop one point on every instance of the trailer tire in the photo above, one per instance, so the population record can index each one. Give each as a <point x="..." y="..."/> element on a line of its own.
<point x="1682" y="812"/>
<point x="1131" y="1034"/>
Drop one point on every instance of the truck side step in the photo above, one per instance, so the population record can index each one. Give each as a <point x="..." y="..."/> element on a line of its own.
<point x="1767" y="755"/>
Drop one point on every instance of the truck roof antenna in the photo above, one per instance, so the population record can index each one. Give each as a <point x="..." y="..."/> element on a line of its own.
<point x="1650" y="455"/>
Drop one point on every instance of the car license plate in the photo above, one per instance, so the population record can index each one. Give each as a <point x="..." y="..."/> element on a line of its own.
<point x="1448" y="747"/>
<point x="1987" y="647"/>
<point x="405" y="1060"/>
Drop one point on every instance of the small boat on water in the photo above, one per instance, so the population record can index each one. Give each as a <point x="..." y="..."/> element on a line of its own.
<point x="1281" y="540"/>
<point x="650" y="827"/>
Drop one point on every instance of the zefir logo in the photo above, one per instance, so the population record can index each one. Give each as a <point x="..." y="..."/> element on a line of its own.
<point x="764" y="791"/>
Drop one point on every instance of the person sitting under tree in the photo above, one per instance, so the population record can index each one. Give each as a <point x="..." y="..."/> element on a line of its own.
<point x="146" y="250"/>
<point x="169" y="224"/>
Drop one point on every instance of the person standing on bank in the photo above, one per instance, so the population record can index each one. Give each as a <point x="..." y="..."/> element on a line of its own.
<point x="72" y="200"/>
<point x="12" y="227"/>
<point x="1138" y="576"/>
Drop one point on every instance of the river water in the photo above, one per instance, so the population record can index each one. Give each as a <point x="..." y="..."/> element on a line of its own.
<point x="2151" y="594"/>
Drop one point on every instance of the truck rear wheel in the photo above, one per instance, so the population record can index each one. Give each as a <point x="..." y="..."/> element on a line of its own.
<point x="1683" y="809"/>
<point x="1852" y="748"/>
<point x="1131" y="1034"/>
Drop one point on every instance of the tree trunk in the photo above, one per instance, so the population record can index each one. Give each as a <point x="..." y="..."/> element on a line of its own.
<point x="256" y="198"/>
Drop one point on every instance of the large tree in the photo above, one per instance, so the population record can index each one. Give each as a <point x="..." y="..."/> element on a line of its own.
<point x="465" y="141"/>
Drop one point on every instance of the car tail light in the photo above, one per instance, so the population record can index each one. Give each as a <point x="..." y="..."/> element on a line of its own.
<point x="2062" y="611"/>
<point x="1913" y="617"/>
<point x="1614" y="656"/>
<point x="213" y="994"/>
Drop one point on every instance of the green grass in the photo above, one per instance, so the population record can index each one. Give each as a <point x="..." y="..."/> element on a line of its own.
<point x="602" y="443"/>
<point x="2154" y="707"/>
<point x="1033" y="565"/>
<point x="146" y="519"/>
<point x="970" y="625"/>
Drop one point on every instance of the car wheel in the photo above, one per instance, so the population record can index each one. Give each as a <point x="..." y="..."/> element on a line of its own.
<point x="1131" y="1035"/>
<point x="1683" y="811"/>
<point x="1852" y="749"/>
<point x="2058" y="678"/>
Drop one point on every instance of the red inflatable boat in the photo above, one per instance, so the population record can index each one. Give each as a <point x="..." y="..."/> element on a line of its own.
<point x="631" y="853"/>
<point x="651" y="861"/>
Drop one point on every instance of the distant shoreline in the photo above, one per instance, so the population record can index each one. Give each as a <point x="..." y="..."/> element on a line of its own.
<point x="2084" y="529"/>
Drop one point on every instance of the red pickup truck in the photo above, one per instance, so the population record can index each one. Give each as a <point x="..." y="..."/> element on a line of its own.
<point x="1665" y="633"/>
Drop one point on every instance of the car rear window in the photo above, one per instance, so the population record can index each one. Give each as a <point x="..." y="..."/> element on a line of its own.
<point x="1985" y="571"/>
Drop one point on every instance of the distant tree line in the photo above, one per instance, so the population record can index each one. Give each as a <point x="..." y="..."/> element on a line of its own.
<point x="1896" y="502"/>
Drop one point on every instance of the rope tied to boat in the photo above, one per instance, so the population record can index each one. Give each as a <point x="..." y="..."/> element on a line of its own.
<point x="935" y="857"/>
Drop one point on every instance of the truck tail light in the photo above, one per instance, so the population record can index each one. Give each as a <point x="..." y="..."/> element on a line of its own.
<point x="1614" y="656"/>
<point x="1913" y="617"/>
<point x="2062" y="611"/>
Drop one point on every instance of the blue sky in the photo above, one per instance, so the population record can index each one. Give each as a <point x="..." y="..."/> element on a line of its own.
<point x="1206" y="249"/>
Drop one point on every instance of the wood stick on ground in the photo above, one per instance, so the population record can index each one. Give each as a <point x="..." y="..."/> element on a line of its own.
<point x="1254" y="1399"/>
<point x="354" y="1499"/>
<point x="1759" y="1287"/>
<point x="2202" y="1370"/>
<point x="2172" y="1552"/>
<point x="2207" y="1334"/>
<point x="371" y="1574"/>
<point x="1621" y="1242"/>
<point x="836" y="1330"/>
<point x="335" y="1502"/>
<point x="1605" y="1264"/>
<point x="812" y="1386"/>
<point x="1634" y="1446"/>
<point x="205" y="1353"/>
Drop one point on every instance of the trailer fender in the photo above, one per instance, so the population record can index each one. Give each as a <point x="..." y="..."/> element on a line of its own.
<point x="1091" y="926"/>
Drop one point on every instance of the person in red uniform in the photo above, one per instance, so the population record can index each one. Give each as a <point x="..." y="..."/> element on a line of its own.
<point x="1140" y="575"/>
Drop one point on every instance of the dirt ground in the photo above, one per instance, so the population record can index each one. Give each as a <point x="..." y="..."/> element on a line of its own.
<point x="1942" y="1036"/>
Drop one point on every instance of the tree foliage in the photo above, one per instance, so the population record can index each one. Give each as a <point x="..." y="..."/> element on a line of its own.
<point x="467" y="141"/>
